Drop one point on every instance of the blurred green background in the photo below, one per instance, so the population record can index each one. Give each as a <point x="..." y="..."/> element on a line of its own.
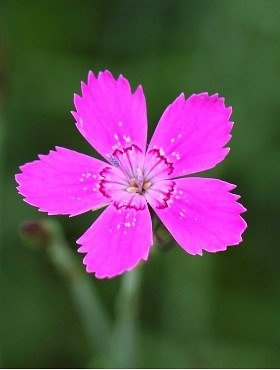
<point x="221" y="310"/>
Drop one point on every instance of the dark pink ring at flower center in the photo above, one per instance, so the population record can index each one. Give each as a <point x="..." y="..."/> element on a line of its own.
<point x="133" y="178"/>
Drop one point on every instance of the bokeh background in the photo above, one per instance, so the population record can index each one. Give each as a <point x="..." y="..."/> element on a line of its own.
<point x="220" y="310"/>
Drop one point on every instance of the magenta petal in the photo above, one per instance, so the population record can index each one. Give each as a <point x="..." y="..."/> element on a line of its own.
<point x="192" y="133"/>
<point x="109" y="115"/>
<point x="202" y="214"/>
<point x="63" y="182"/>
<point x="117" y="241"/>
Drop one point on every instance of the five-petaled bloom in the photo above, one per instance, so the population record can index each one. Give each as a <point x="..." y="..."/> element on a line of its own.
<point x="200" y="213"/>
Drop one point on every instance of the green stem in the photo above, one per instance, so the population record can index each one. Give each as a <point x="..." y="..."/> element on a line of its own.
<point x="124" y="337"/>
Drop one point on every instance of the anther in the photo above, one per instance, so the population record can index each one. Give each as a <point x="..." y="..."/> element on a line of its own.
<point x="147" y="185"/>
<point x="113" y="160"/>
<point x="132" y="189"/>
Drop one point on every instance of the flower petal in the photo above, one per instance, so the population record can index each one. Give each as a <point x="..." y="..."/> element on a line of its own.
<point x="109" y="115"/>
<point x="117" y="241"/>
<point x="192" y="133"/>
<point x="62" y="182"/>
<point x="202" y="214"/>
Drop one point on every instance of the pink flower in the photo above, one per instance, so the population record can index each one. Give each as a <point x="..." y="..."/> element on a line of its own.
<point x="200" y="213"/>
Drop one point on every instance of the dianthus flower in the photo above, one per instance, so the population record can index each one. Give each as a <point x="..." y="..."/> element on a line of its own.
<point x="200" y="213"/>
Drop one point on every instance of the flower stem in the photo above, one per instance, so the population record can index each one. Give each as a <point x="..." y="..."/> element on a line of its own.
<point x="124" y="337"/>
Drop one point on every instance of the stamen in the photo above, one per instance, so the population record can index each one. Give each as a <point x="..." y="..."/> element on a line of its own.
<point x="147" y="185"/>
<point x="132" y="189"/>
<point x="139" y="179"/>
<point x="113" y="160"/>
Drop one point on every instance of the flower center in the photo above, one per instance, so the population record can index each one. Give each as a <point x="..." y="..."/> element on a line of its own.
<point x="130" y="163"/>
<point x="138" y="186"/>
<point x="134" y="178"/>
